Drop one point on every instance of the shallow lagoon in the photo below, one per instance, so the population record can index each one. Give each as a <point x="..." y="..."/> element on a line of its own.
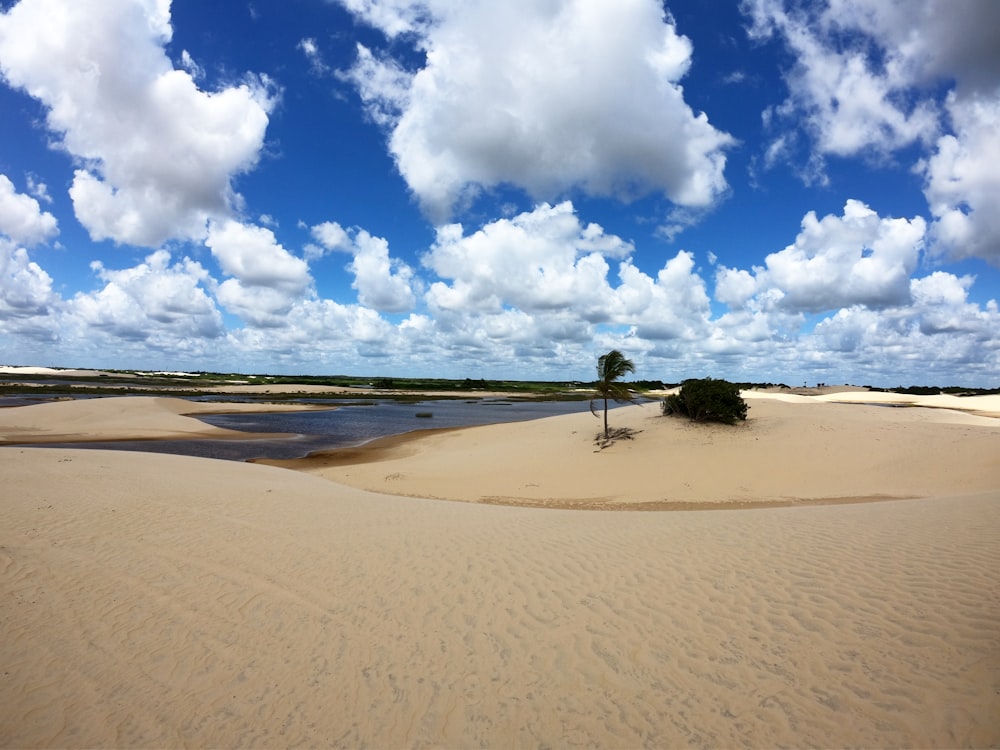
<point x="344" y="425"/>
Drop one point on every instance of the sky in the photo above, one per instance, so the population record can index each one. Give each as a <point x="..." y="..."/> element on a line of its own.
<point x="767" y="190"/>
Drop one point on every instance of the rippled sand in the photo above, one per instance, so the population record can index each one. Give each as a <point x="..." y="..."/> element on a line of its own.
<point x="154" y="600"/>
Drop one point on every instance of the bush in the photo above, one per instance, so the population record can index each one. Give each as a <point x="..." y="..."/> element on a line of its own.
<point x="707" y="400"/>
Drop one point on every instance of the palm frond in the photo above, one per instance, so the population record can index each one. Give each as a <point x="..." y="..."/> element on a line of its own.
<point x="610" y="367"/>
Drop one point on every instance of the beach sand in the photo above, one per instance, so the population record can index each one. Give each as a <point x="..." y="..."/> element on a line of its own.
<point x="126" y="418"/>
<point x="157" y="600"/>
<point x="793" y="450"/>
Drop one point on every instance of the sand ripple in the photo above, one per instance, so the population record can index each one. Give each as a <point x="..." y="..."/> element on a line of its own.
<point x="163" y="603"/>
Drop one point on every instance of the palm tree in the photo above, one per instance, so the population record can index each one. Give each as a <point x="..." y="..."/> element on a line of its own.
<point x="610" y="367"/>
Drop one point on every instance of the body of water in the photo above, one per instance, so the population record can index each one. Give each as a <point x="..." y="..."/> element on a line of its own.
<point x="344" y="426"/>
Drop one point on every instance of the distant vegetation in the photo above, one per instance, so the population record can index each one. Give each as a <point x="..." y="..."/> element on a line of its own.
<point x="190" y="385"/>
<point x="950" y="390"/>
<point x="707" y="400"/>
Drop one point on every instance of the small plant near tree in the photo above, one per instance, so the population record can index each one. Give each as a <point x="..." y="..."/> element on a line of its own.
<point x="706" y="400"/>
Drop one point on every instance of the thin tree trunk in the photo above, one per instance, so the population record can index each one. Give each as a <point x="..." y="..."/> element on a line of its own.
<point x="605" y="417"/>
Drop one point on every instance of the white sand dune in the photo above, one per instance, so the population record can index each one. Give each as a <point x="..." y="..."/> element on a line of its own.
<point x="987" y="405"/>
<point x="13" y="370"/>
<point x="122" y="418"/>
<point x="793" y="449"/>
<point x="154" y="600"/>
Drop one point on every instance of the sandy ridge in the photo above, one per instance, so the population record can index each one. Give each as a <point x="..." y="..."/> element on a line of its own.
<point x="788" y="452"/>
<point x="124" y="418"/>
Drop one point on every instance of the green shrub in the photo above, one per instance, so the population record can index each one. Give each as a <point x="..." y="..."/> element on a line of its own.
<point x="706" y="400"/>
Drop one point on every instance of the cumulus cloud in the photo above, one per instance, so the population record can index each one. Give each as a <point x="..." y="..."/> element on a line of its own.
<point x="321" y="332"/>
<point x="267" y="280"/>
<point x="940" y="332"/>
<point x="537" y="286"/>
<point x="392" y="17"/>
<point x="927" y="40"/>
<point x="383" y="283"/>
<point x="540" y="260"/>
<point x="942" y="302"/>
<point x="331" y="236"/>
<point x="858" y="258"/>
<point x="151" y="301"/>
<point x="673" y="306"/>
<point x="21" y="218"/>
<point x="962" y="181"/>
<point x="532" y="95"/>
<point x="254" y="256"/>
<point x="38" y="189"/>
<point x="26" y="295"/>
<point x="866" y="77"/>
<point x="852" y="100"/>
<point x="159" y="154"/>
<point x="25" y="289"/>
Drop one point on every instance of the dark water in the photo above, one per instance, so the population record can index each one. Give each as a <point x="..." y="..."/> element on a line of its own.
<point x="347" y="425"/>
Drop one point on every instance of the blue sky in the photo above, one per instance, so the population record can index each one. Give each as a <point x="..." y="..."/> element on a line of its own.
<point x="763" y="190"/>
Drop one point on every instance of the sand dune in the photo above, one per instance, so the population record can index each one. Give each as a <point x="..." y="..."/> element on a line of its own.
<point x="122" y="418"/>
<point x="985" y="405"/>
<point x="792" y="450"/>
<point x="155" y="600"/>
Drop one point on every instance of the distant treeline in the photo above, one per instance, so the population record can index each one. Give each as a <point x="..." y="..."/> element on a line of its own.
<point x="924" y="390"/>
<point x="139" y="381"/>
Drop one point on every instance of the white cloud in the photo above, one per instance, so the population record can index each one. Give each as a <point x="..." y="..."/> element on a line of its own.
<point x="940" y="334"/>
<point x="332" y="236"/>
<point x="21" y="218"/>
<point x="536" y="287"/>
<point x="537" y="261"/>
<point x="25" y="289"/>
<point x="941" y="300"/>
<point x="383" y="283"/>
<point x="963" y="183"/>
<point x="851" y="99"/>
<point x="38" y="189"/>
<point x="310" y="49"/>
<point x="858" y="258"/>
<point x="256" y="306"/>
<point x="392" y="17"/>
<point x="191" y="66"/>
<point x="866" y="77"/>
<point x="384" y="86"/>
<point x="550" y="308"/>
<point x="267" y="280"/>
<point x="673" y="306"/>
<point x="532" y="94"/>
<point x="321" y="333"/>
<point x="159" y="154"/>
<point x="254" y="256"/>
<point x="153" y="301"/>
<point x="928" y="40"/>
